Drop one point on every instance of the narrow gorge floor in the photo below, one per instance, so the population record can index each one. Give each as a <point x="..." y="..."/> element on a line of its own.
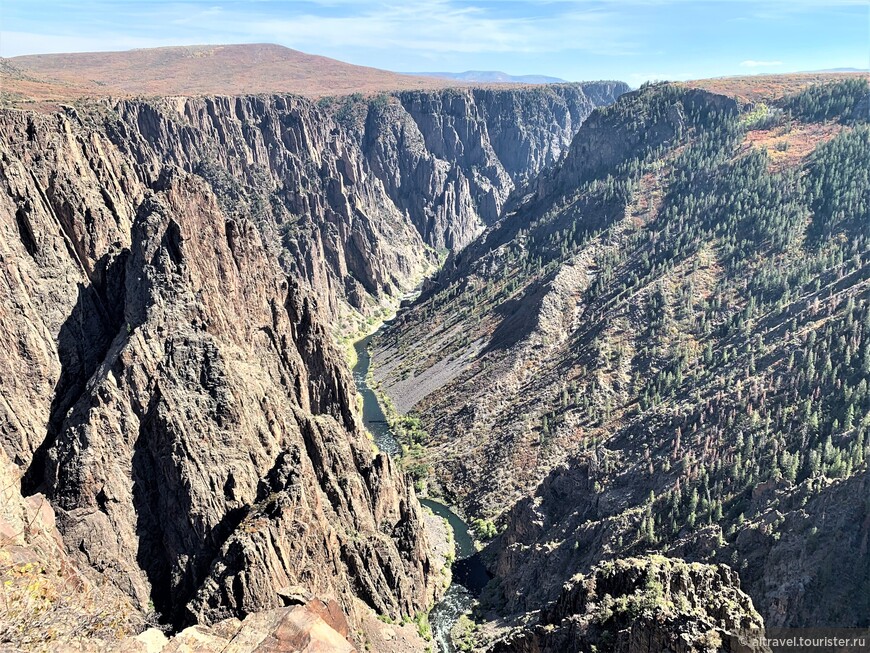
<point x="468" y="573"/>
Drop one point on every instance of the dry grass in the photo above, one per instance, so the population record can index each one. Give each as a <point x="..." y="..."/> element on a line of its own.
<point x="194" y="70"/>
<point x="44" y="600"/>
<point x="41" y="608"/>
<point x="788" y="145"/>
<point x="765" y="88"/>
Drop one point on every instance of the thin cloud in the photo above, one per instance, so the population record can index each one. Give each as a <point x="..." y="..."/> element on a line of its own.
<point x="442" y="27"/>
<point x="427" y="26"/>
<point x="753" y="63"/>
<point x="573" y="39"/>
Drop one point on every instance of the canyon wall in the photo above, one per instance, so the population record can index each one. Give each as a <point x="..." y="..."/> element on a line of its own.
<point x="177" y="397"/>
<point x="173" y="272"/>
<point x="358" y="196"/>
<point x="663" y="346"/>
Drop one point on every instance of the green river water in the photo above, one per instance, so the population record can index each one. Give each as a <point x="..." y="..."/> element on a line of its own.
<point x="469" y="573"/>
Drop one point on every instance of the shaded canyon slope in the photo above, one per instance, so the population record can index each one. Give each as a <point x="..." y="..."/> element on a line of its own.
<point x="645" y="605"/>
<point x="664" y="347"/>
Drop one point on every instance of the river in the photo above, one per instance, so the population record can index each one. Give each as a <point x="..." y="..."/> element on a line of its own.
<point x="469" y="573"/>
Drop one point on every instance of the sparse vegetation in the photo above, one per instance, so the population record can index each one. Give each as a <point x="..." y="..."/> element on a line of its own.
<point x="484" y="529"/>
<point x="41" y="609"/>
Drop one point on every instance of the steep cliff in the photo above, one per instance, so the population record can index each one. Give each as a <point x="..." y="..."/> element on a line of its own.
<point x="449" y="160"/>
<point x="177" y="399"/>
<point x="47" y="604"/>
<point x="170" y="385"/>
<point x="282" y="163"/>
<point x="355" y="195"/>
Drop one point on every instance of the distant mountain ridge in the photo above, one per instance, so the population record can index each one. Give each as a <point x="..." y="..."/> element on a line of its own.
<point x="492" y="77"/>
<point x="846" y="69"/>
<point x="195" y="70"/>
<point x="235" y="69"/>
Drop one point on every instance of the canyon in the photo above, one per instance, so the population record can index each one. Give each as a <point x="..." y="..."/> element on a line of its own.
<point x="182" y="449"/>
<point x="173" y="401"/>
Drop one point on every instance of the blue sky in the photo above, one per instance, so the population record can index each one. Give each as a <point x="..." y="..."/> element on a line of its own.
<point x="632" y="40"/>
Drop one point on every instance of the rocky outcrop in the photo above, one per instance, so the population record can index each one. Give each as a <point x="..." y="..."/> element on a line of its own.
<point x="312" y="627"/>
<point x="69" y="199"/>
<point x="632" y="129"/>
<point x="176" y="397"/>
<point x="645" y="605"/>
<point x="46" y="603"/>
<point x="44" y="598"/>
<point x="807" y="541"/>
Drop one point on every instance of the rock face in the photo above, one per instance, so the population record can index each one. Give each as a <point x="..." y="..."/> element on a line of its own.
<point x="43" y="597"/>
<point x="797" y="540"/>
<point x="172" y="391"/>
<point x="449" y="160"/>
<point x="315" y="627"/>
<point x="808" y="541"/>
<point x="177" y="398"/>
<point x="286" y="165"/>
<point x="352" y="195"/>
<point x="645" y="605"/>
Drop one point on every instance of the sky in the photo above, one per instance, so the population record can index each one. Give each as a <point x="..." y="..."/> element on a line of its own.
<point x="631" y="40"/>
